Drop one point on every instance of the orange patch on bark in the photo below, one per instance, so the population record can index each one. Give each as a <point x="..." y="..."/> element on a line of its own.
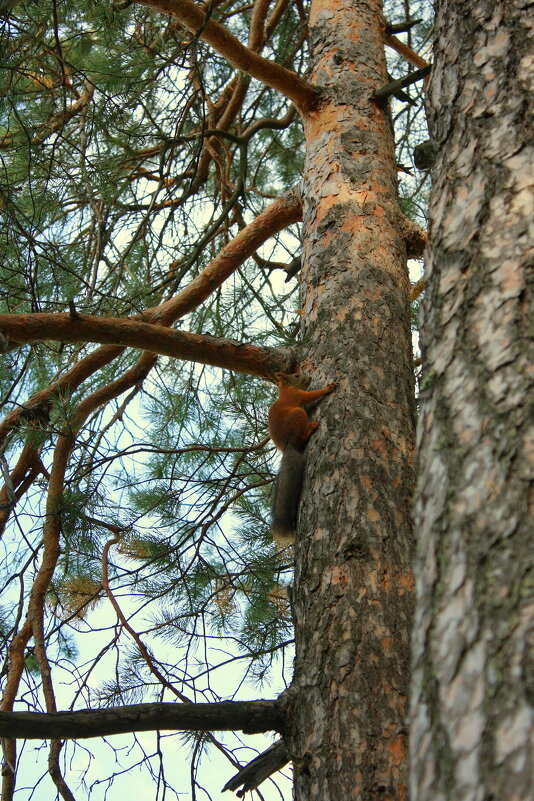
<point x="397" y="749"/>
<point x="372" y="514"/>
<point x="366" y="481"/>
<point x="378" y="445"/>
<point x="335" y="8"/>
<point x="339" y="576"/>
<point x="374" y="294"/>
<point x="315" y="121"/>
<point x="406" y="581"/>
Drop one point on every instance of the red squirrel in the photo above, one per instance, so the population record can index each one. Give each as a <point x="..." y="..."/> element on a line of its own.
<point x="290" y="429"/>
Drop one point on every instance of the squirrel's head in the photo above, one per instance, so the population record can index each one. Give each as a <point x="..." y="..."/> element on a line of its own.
<point x="300" y="380"/>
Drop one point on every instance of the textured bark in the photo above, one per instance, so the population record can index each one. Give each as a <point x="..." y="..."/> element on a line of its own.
<point x="353" y="584"/>
<point x="473" y="683"/>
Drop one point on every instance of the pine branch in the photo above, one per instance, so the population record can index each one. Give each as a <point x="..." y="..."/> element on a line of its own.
<point x="21" y="329"/>
<point x="54" y="123"/>
<point x="192" y="17"/>
<point x="250" y="717"/>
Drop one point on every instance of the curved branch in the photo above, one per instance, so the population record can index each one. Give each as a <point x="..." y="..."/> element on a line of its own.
<point x="192" y="17"/>
<point x="22" y="329"/>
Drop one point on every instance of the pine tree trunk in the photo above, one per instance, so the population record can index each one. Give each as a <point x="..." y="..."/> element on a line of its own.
<point x="353" y="585"/>
<point x="473" y="683"/>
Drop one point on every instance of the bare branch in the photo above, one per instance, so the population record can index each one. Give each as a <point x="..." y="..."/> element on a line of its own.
<point x="390" y="88"/>
<point x="250" y="717"/>
<point x="404" y="50"/>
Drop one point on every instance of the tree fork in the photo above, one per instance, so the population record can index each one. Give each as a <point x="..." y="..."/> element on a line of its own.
<point x="295" y="88"/>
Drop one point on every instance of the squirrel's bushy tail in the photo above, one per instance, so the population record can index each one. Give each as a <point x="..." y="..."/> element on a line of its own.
<point x="286" y="496"/>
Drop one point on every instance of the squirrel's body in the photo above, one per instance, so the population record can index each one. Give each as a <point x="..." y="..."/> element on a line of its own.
<point x="290" y="429"/>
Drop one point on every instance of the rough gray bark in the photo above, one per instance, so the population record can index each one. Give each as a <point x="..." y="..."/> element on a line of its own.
<point x="352" y="594"/>
<point x="472" y="708"/>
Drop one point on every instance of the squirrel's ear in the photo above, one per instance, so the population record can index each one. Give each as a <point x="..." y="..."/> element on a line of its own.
<point x="280" y="377"/>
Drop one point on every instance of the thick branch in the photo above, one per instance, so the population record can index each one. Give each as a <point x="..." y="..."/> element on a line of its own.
<point x="250" y="717"/>
<point x="278" y="215"/>
<point x="20" y="329"/>
<point x="192" y="17"/>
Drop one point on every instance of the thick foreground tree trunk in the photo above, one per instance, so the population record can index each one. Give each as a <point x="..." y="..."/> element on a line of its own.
<point x="473" y="682"/>
<point x="353" y="585"/>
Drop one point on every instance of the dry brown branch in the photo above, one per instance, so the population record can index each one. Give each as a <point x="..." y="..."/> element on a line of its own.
<point x="404" y="50"/>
